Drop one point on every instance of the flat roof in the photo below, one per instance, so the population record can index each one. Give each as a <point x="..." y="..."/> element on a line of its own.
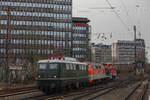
<point x="60" y="61"/>
<point x="80" y="19"/>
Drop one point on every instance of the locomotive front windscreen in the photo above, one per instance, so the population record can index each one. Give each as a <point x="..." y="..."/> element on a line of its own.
<point x="53" y="66"/>
<point x="42" y="66"/>
<point x="45" y="66"/>
<point x="48" y="70"/>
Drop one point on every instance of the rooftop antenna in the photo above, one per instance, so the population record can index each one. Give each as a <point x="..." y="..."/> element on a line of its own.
<point x="140" y="35"/>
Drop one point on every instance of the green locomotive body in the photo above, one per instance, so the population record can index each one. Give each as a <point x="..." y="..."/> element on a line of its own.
<point x="61" y="74"/>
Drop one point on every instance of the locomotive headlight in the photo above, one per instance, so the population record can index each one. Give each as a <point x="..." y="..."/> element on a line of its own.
<point x="38" y="76"/>
<point x="54" y="76"/>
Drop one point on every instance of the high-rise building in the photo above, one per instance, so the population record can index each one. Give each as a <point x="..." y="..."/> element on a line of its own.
<point x="39" y="27"/>
<point x="81" y="38"/>
<point x="101" y="53"/>
<point x="124" y="51"/>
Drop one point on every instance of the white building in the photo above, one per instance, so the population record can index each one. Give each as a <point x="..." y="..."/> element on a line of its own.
<point x="124" y="51"/>
<point x="101" y="53"/>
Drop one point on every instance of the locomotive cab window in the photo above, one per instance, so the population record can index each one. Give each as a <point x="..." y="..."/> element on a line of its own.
<point x="102" y="67"/>
<point x="99" y="67"/>
<point x="77" y="67"/>
<point x="42" y="66"/>
<point x="53" y="66"/>
<point x="85" y="67"/>
<point x="67" y="67"/>
<point x="74" y="66"/>
<point x="71" y="67"/>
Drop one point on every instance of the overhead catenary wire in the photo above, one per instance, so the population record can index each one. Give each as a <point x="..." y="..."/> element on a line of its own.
<point x="129" y="19"/>
<point x="119" y="17"/>
<point x="127" y="12"/>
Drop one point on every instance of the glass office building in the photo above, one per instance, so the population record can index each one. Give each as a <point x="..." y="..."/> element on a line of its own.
<point x="81" y="38"/>
<point x="41" y="27"/>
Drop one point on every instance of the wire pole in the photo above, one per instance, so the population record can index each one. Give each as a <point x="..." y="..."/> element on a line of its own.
<point x="7" y="45"/>
<point x="134" y="27"/>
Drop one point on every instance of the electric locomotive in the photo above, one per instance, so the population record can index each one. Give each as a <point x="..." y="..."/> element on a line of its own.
<point x="62" y="73"/>
<point x="68" y="73"/>
<point x="110" y="71"/>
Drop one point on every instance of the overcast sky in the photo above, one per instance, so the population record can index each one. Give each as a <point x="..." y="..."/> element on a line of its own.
<point x="120" y="24"/>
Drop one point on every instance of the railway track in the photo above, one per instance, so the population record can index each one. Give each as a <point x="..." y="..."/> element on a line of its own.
<point x="65" y="94"/>
<point x="7" y="91"/>
<point x="60" y="97"/>
<point x="142" y="97"/>
<point x="83" y="94"/>
<point x="14" y="93"/>
<point x="138" y="93"/>
<point x="95" y="94"/>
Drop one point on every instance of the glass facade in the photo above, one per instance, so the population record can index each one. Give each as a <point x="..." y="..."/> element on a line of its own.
<point x="124" y="51"/>
<point x="36" y="26"/>
<point x="80" y="37"/>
